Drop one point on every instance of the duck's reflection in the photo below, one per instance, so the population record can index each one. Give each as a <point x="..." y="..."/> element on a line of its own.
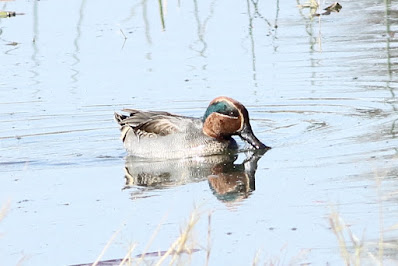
<point x="228" y="180"/>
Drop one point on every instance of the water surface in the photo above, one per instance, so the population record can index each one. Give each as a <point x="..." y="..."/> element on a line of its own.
<point x="320" y="91"/>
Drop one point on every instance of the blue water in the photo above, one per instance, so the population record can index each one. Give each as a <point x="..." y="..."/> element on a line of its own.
<point x="320" y="91"/>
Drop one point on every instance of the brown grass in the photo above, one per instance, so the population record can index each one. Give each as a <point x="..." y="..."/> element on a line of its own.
<point x="4" y="210"/>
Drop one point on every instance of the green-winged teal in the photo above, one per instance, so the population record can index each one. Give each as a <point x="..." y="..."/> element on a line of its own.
<point x="154" y="134"/>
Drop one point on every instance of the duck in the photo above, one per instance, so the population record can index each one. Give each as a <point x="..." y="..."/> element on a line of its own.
<point x="159" y="134"/>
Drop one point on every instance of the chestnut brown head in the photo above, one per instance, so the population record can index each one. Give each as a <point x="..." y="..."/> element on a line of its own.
<point x="226" y="117"/>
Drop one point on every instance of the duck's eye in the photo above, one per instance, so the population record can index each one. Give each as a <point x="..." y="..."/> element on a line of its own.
<point x="233" y="113"/>
<point x="222" y="107"/>
<point x="227" y="109"/>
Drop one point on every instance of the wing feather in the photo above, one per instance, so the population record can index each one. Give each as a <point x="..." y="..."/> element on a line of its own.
<point x="152" y="123"/>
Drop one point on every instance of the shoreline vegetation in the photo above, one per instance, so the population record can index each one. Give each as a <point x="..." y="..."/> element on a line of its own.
<point x="353" y="250"/>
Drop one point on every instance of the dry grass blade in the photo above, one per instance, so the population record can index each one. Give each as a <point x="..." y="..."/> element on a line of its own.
<point x="392" y="228"/>
<point x="22" y="260"/>
<point x="313" y="4"/>
<point x="127" y="258"/>
<point x="208" y="239"/>
<point x="151" y="239"/>
<point x="106" y="247"/>
<point x="185" y="237"/>
<point x="338" y="230"/>
<point x="256" y="258"/>
<point x="180" y="245"/>
<point x="4" y="210"/>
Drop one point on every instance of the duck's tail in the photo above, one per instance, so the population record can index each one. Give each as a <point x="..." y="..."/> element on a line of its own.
<point x="119" y="119"/>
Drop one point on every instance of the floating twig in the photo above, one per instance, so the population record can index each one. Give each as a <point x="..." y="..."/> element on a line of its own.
<point x="7" y="14"/>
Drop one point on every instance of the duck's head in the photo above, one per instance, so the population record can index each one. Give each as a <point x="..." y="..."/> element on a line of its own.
<point x="226" y="117"/>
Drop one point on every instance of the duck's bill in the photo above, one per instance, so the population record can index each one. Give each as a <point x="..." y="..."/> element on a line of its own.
<point x="247" y="135"/>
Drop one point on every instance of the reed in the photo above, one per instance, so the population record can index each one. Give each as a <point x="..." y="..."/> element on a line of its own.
<point x="185" y="245"/>
<point x="4" y="210"/>
<point x="357" y="251"/>
<point x="351" y="256"/>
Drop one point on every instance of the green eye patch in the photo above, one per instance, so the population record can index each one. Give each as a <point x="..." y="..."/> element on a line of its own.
<point x="223" y="107"/>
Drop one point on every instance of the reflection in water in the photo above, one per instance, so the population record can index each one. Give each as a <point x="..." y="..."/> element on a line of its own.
<point x="146" y="21"/>
<point x="313" y="38"/>
<point x="76" y="43"/>
<point x="389" y="36"/>
<point x="272" y="30"/>
<point x="228" y="181"/>
<point x="35" y="49"/>
<point x="231" y="182"/>
<point x="308" y="25"/>
<point x="201" y="28"/>
<point x="161" y="14"/>
<point x="200" y="45"/>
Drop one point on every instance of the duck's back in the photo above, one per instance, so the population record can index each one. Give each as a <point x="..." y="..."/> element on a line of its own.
<point x="165" y="135"/>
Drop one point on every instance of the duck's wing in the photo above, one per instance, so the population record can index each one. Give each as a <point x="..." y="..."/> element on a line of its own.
<point x="138" y="117"/>
<point x="152" y="123"/>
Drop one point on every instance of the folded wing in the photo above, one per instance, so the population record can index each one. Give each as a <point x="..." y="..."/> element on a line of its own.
<point x="150" y="123"/>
